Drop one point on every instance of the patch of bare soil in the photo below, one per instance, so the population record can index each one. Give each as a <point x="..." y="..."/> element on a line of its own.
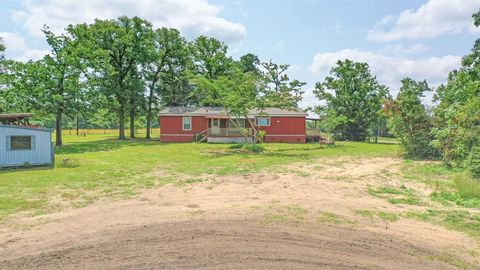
<point x="299" y="219"/>
<point x="227" y="244"/>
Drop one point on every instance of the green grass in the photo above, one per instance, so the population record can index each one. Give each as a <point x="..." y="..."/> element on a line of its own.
<point x="451" y="259"/>
<point x="451" y="186"/>
<point x="98" y="166"/>
<point x="459" y="220"/>
<point x="329" y="217"/>
<point x="394" y="195"/>
<point x="385" y="216"/>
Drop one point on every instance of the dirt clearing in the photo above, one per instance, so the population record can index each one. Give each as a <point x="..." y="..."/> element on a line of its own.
<point x="304" y="216"/>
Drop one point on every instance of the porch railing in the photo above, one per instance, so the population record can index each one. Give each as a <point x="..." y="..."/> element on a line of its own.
<point x="229" y="132"/>
<point x="313" y="132"/>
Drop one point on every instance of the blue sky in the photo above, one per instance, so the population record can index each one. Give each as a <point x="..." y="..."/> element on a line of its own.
<point x="421" y="39"/>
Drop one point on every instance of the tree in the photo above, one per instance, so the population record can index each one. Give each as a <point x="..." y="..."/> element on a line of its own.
<point x="457" y="116"/>
<point x="2" y="50"/>
<point x="168" y="55"/>
<point x="2" y="76"/>
<point x="355" y="104"/>
<point x="280" y="87"/>
<point x="210" y="57"/>
<point x="249" y="63"/>
<point x="51" y="86"/>
<point x="408" y="119"/>
<point x="239" y="93"/>
<point x="113" y="49"/>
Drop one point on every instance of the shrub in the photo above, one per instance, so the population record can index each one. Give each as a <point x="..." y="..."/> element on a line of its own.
<point x="27" y="164"/>
<point x="235" y="146"/>
<point x="261" y="135"/>
<point x="473" y="162"/>
<point x="254" y="148"/>
<point x="69" y="163"/>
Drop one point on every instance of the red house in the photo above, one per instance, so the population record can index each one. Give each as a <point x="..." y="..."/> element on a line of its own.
<point x="188" y="124"/>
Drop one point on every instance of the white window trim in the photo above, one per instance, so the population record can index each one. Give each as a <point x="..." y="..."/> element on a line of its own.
<point x="257" y="124"/>
<point x="183" y="123"/>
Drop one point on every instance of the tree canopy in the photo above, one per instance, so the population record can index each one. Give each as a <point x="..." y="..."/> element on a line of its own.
<point x="352" y="100"/>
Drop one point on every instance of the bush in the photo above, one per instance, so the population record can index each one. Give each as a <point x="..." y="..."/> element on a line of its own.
<point x="235" y="146"/>
<point x="254" y="148"/>
<point x="69" y="163"/>
<point x="261" y="135"/>
<point x="473" y="162"/>
<point x="27" y="164"/>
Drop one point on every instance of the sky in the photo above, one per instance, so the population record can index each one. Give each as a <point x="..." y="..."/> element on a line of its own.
<point x="421" y="39"/>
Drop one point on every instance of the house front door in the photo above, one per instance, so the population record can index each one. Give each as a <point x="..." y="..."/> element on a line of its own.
<point x="215" y="126"/>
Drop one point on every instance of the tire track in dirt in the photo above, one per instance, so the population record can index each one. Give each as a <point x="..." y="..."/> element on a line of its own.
<point x="232" y="244"/>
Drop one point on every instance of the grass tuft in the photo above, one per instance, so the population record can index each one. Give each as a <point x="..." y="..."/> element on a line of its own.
<point x="394" y="195"/>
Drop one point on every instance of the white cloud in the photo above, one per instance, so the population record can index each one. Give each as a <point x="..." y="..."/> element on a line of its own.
<point x="399" y="49"/>
<point x="388" y="69"/>
<point x="13" y="41"/>
<point x="33" y="54"/>
<point x="192" y="17"/>
<point x="432" y="19"/>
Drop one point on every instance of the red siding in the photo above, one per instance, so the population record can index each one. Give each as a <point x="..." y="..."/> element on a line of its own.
<point x="281" y="129"/>
<point x="171" y="128"/>
<point x="286" y="129"/>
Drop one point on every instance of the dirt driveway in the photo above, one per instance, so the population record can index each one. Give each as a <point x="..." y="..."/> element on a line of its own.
<point x="302" y="217"/>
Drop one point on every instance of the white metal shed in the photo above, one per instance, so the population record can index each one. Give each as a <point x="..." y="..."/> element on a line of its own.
<point x="20" y="146"/>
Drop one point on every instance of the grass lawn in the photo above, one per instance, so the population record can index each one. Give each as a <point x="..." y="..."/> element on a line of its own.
<point x="100" y="166"/>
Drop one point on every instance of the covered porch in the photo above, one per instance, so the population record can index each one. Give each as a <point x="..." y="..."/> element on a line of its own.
<point x="227" y="130"/>
<point x="313" y="131"/>
<point x="226" y="127"/>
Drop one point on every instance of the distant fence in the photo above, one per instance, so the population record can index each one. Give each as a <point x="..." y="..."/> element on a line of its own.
<point x="84" y="132"/>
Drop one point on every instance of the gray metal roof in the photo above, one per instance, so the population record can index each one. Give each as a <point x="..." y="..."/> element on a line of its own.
<point x="28" y="128"/>
<point x="212" y="111"/>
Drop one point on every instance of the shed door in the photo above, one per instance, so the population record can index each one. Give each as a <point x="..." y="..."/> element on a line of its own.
<point x="215" y="126"/>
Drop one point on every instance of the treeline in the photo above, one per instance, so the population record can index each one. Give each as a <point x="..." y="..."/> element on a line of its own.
<point x="355" y="107"/>
<point x="451" y="129"/>
<point x="112" y="72"/>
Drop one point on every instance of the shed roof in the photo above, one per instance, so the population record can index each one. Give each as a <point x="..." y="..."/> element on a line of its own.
<point x="15" y="116"/>
<point x="27" y="128"/>
<point x="219" y="111"/>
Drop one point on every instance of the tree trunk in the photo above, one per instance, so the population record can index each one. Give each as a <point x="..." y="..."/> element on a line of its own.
<point x="78" y="124"/>
<point x="132" y="118"/>
<point x="58" y="129"/>
<point x="149" y="113"/>
<point x="121" y="121"/>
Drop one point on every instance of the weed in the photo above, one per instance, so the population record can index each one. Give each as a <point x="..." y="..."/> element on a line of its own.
<point x="402" y="195"/>
<point x="69" y="163"/>
<point x="450" y="259"/>
<point x="459" y="220"/>
<point x="385" y="216"/>
<point x="365" y="213"/>
<point x="329" y="217"/>
<point x="391" y="217"/>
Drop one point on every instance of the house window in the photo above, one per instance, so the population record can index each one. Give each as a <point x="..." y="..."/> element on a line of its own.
<point x="187" y="123"/>
<point x="20" y="142"/>
<point x="262" y="121"/>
